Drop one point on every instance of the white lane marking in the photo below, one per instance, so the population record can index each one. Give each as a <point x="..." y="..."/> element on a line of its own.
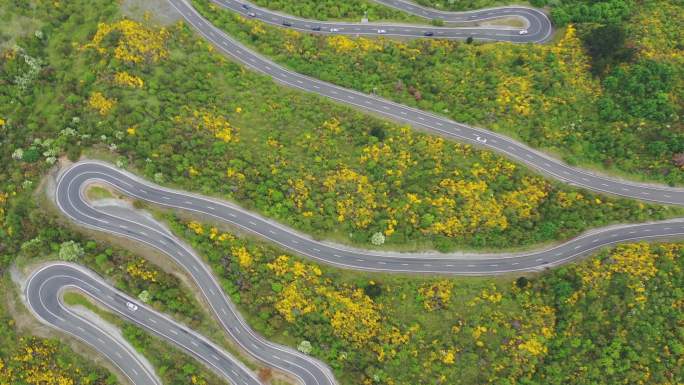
<point x="152" y="320"/>
<point x="173" y="331"/>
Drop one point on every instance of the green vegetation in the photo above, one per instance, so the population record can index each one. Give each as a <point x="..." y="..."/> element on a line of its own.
<point x="97" y="193"/>
<point x="618" y="109"/>
<point x="588" y="323"/>
<point x="165" y="358"/>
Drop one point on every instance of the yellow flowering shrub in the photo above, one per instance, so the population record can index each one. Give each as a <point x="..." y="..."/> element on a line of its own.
<point x="135" y="44"/>
<point x="125" y="79"/>
<point x="528" y="197"/>
<point x="196" y="227"/>
<point x="243" y="256"/>
<point x="36" y="363"/>
<point x="436" y="295"/>
<point x="138" y="269"/>
<point x="100" y="103"/>
<point x="635" y="260"/>
<point x="206" y="120"/>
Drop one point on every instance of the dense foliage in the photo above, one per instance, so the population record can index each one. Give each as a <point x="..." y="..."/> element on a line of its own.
<point x="613" y="319"/>
<point x="618" y="109"/>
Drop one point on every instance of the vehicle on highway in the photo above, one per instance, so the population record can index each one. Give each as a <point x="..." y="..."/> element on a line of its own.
<point x="287" y="24"/>
<point x="481" y="139"/>
<point x="251" y="14"/>
<point x="245" y="6"/>
<point x="131" y="306"/>
<point x="316" y="28"/>
<point x="334" y="30"/>
<point x="428" y="33"/>
<point x="523" y="32"/>
<point x="382" y="31"/>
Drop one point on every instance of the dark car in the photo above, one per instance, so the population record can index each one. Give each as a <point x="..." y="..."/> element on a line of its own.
<point x="287" y="24"/>
<point x="245" y="6"/>
<point x="428" y="33"/>
<point x="316" y="28"/>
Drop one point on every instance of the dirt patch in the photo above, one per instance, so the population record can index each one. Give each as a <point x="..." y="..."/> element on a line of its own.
<point x="160" y="12"/>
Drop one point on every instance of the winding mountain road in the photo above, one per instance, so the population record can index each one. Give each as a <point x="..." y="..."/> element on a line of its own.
<point x="73" y="204"/>
<point x="536" y="23"/>
<point x="44" y="290"/>
<point x="45" y="285"/>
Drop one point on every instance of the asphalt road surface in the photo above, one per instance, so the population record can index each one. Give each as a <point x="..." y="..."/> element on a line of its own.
<point x="536" y="23"/>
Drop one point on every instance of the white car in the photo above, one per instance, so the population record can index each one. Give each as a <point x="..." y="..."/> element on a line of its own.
<point x="131" y="306"/>
<point x="382" y="31"/>
<point x="523" y="32"/>
<point x="334" y="30"/>
<point x="481" y="139"/>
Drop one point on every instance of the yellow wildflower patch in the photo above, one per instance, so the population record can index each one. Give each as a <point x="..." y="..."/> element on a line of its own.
<point x="100" y="103"/>
<point x="125" y="79"/>
<point x="134" y="44"/>
<point x="206" y="120"/>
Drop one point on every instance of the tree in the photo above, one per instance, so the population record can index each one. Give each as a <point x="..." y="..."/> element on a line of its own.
<point x="305" y="347"/>
<point x="378" y="239"/>
<point x="144" y="296"/>
<point x="70" y="251"/>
